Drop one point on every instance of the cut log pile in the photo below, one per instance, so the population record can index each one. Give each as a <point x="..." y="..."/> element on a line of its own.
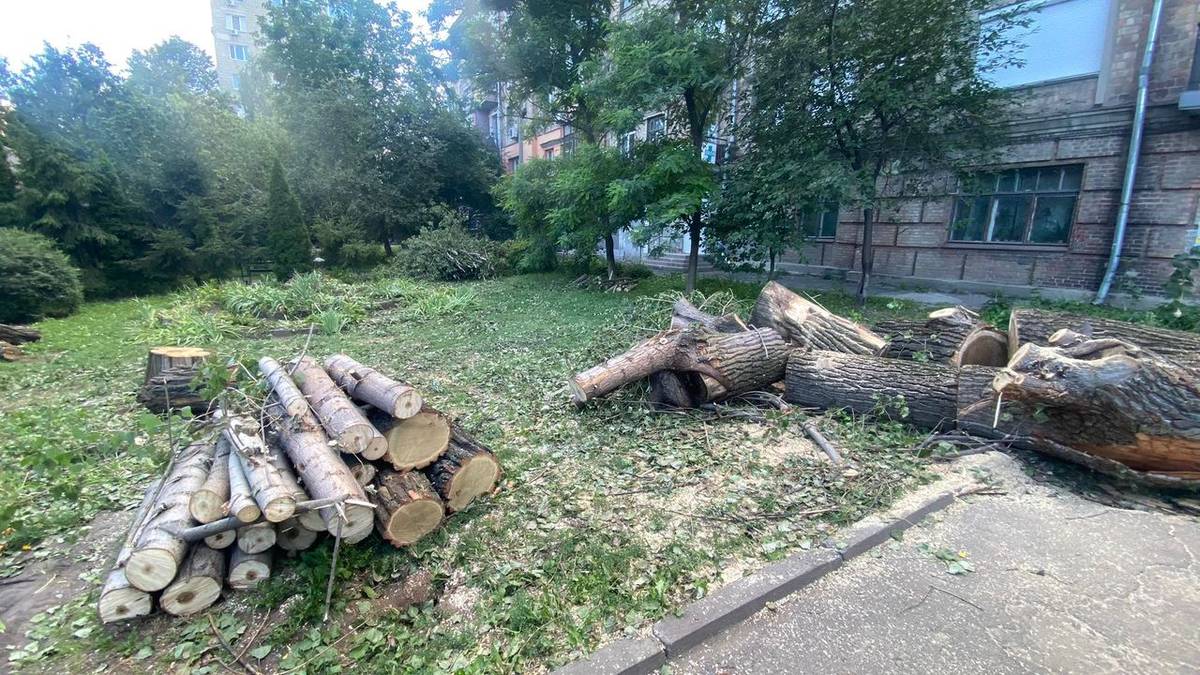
<point x="1119" y="398"/>
<point x="339" y="449"/>
<point x="11" y="339"/>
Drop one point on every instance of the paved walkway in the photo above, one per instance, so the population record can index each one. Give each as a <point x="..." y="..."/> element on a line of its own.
<point x="1060" y="584"/>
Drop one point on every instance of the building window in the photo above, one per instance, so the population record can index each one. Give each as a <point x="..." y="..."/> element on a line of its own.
<point x="549" y="154"/>
<point x="626" y="143"/>
<point x="1034" y="205"/>
<point x="239" y="52"/>
<point x="626" y="4"/>
<point x="1065" y="38"/>
<point x="513" y="163"/>
<point x="235" y="82"/>
<point x="820" y="222"/>
<point x="235" y="22"/>
<point x="656" y="127"/>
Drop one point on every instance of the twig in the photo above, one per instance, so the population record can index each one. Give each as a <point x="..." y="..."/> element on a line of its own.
<point x="221" y="638"/>
<point x="337" y="544"/>
<point x="810" y="429"/>
<point x="331" y="645"/>
<point x="303" y="350"/>
<point x="955" y="595"/>
<point x="249" y="643"/>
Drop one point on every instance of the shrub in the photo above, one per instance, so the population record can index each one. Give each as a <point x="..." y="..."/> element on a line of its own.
<point x="448" y="253"/>
<point x="635" y="271"/>
<point x="361" y="255"/>
<point x="287" y="236"/>
<point x="36" y="279"/>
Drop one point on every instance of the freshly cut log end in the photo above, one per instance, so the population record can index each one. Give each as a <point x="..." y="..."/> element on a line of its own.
<point x="363" y="383"/>
<point x="120" y="601"/>
<point x="408" y="508"/>
<point x="241" y="504"/>
<point x="292" y="536"/>
<point x="466" y="471"/>
<point x="342" y="419"/>
<point x="247" y="570"/>
<point x="256" y="538"/>
<point x="983" y="347"/>
<point x="221" y="540"/>
<point x="151" y="569"/>
<point x="312" y="521"/>
<point x="198" y="585"/>
<point x="413" y="443"/>
<point x="363" y="472"/>
<point x="274" y="493"/>
<point x="1035" y="326"/>
<point x="953" y="335"/>
<point x="804" y="322"/>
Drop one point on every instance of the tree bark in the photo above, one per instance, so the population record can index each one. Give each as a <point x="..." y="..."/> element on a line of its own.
<point x="368" y="385"/>
<point x="695" y="224"/>
<point x="954" y="335"/>
<point x="248" y="570"/>
<point x="293" y="536"/>
<point x="363" y="472"/>
<point x="739" y="362"/>
<point x="16" y="335"/>
<point x="256" y="538"/>
<point x="873" y="385"/>
<point x="466" y="471"/>
<point x="324" y="474"/>
<point x="681" y="389"/>
<point x="413" y="443"/>
<point x="684" y="314"/>
<point x="807" y="324"/>
<point x="868" y="255"/>
<point x="241" y="502"/>
<point x="341" y="418"/>
<point x="211" y="500"/>
<point x="275" y="496"/>
<point x="1035" y="326"/>
<point x="310" y="519"/>
<point x="119" y="599"/>
<point x="407" y="507"/>
<point x="285" y="390"/>
<point x="169" y="381"/>
<point x="198" y="584"/>
<point x="159" y="550"/>
<point x="610" y="256"/>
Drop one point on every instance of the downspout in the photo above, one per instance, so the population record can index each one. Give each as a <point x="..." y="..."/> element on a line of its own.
<point x="1135" y="147"/>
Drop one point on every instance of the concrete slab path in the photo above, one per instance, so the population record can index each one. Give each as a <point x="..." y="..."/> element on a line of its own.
<point x="1060" y="584"/>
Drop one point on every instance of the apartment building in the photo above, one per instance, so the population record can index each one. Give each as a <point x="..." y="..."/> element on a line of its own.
<point x="234" y="25"/>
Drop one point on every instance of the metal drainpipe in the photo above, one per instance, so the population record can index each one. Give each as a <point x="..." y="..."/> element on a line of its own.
<point x="1135" y="147"/>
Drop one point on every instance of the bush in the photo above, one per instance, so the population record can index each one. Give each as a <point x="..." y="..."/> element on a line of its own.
<point x="635" y="270"/>
<point x="361" y="255"/>
<point x="448" y="253"/>
<point x="36" y="279"/>
<point x="528" y="257"/>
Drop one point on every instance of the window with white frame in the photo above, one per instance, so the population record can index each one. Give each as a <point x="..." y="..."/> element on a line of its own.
<point x="819" y="222"/>
<point x="239" y="52"/>
<point x="235" y="22"/>
<point x="1033" y="205"/>
<point x="235" y="82"/>
<point x="656" y="127"/>
<point x="626" y="142"/>
<point x="1064" y="38"/>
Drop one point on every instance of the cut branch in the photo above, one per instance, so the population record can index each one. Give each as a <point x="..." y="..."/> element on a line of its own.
<point x="344" y="422"/>
<point x="275" y="496"/>
<point x="368" y="385"/>
<point x="805" y="323"/>
<point x="119" y="599"/>
<point x="284" y="389"/>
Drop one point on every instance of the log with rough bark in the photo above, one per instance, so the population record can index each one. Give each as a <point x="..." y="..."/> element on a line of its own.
<point x="324" y="473"/>
<point x="805" y="323"/>
<point x="684" y="314"/>
<point x="282" y="386"/>
<point x="290" y="535"/>
<point x="738" y="362"/>
<point x="256" y="537"/>
<point x="1035" y="326"/>
<point x="275" y="496"/>
<point x="682" y="389"/>
<point x="923" y="394"/>
<point x="344" y="422"/>
<point x="310" y="519"/>
<point x="211" y="500"/>
<point x="170" y="381"/>
<point x="247" y="570"/>
<point x="368" y="385"/>
<point x="16" y="335"/>
<point x="466" y="471"/>
<point x="119" y="599"/>
<point x="198" y="584"/>
<point x="241" y="503"/>
<point x="159" y="550"/>
<point x="953" y="335"/>
<point x="363" y="472"/>
<point x="413" y="443"/>
<point x="407" y="507"/>
<point x="10" y="352"/>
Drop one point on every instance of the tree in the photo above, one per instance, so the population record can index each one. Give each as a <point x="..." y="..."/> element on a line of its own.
<point x="172" y="67"/>
<point x="584" y="211"/>
<point x="287" y="235"/>
<point x="680" y="57"/>
<point x="849" y="91"/>
<point x="527" y="196"/>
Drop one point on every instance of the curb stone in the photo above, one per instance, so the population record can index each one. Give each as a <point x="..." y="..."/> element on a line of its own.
<point x="743" y="598"/>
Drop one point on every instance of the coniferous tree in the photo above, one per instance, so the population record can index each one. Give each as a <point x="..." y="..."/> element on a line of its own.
<point x="287" y="236"/>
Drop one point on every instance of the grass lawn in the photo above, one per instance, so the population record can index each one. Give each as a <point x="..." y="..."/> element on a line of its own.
<point x="607" y="518"/>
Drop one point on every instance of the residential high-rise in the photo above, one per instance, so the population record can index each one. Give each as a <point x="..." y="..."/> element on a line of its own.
<point x="234" y="25"/>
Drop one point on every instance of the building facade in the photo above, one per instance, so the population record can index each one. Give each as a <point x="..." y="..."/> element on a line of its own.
<point x="234" y="25"/>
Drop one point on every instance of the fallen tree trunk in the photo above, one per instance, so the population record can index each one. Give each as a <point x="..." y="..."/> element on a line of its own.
<point x="170" y="380"/>
<point x="285" y="390"/>
<point x="807" y="324"/>
<point x="415" y="442"/>
<point x="16" y="335"/>
<point x="1034" y="326"/>
<point x="407" y="507"/>
<point x="275" y="496"/>
<point x="922" y="394"/>
<point x="739" y="362"/>
<point x="119" y="599"/>
<point x="241" y="504"/>
<point x="159" y="550"/>
<point x="953" y="335"/>
<point x="368" y="385"/>
<point x="682" y="389"/>
<point x="292" y="536"/>
<point x="684" y="314"/>
<point x="211" y="500"/>
<point x="247" y="570"/>
<point x="198" y="584"/>
<point x="466" y="471"/>
<point x="256" y="537"/>
<point x="344" y="422"/>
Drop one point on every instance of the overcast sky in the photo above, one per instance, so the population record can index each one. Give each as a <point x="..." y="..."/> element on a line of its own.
<point x="117" y="26"/>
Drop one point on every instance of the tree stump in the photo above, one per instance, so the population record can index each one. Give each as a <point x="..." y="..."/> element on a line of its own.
<point x="407" y="507"/>
<point x="342" y="419"/>
<point x="466" y="471"/>
<point x="198" y="585"/>
<point x="415" y="442"/>
<point x="368" y="385"/>
<point x="170" y="381"/>
<point x="804" y="323"/>
<point x="247" y="570"/>
<point x="1035" y="326"/>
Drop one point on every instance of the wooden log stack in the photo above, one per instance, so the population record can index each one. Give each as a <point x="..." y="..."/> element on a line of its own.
<point x="341" y="449"/>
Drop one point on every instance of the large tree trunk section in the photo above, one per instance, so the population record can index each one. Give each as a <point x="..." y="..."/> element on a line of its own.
<point x="275" y="496"/>
<point x="1034" y="326"/>
<point x="413" y="443"/>
<point x="311" y="520"/>
<point x="256" y="538"/>
<point x="681" y="389"/>
<point x="368" y="385"/>
<point x="159" y="550"/>
<point x="211" y="501"/>
<point x="873" y="384"/>
<point x="247" y="570"/>
<point x="740" y="362"/>
<point x="407" y="507"/>
<point x="684" y="314"/>
<point x="170" y="376"/>
<point x="290" y="535"/>
<point x="15" y="335"/>
<point x="325" y="476"/>
<point x="119" y="600"/>
<point x="807" y="324"/>
<point x="241" y="503"/>
<point x="342" y="419"/>
<point x="285" y="390"/>
<point x="198" y="585"/>
<point x="953" y="335"/>
<point x="466" y="471"/>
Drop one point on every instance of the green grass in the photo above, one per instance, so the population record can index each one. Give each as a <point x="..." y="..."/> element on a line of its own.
<point x="608" y="518"/>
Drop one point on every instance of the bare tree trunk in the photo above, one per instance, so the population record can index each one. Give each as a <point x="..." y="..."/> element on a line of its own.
<point x="868" y="254"/>
<point x="805" y="323"/>
<point x="1035" y="326"/>
<point x="693" y="267"/>
<point x="610" y="256"/>
<point x="953" y="335"/>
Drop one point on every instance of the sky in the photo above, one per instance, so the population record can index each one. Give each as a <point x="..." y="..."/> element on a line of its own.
<point x="117" y="26"/>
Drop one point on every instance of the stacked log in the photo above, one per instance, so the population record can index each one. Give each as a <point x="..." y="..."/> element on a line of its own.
<point x="1036" y="326"/>
<point x="953" y="335"/>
